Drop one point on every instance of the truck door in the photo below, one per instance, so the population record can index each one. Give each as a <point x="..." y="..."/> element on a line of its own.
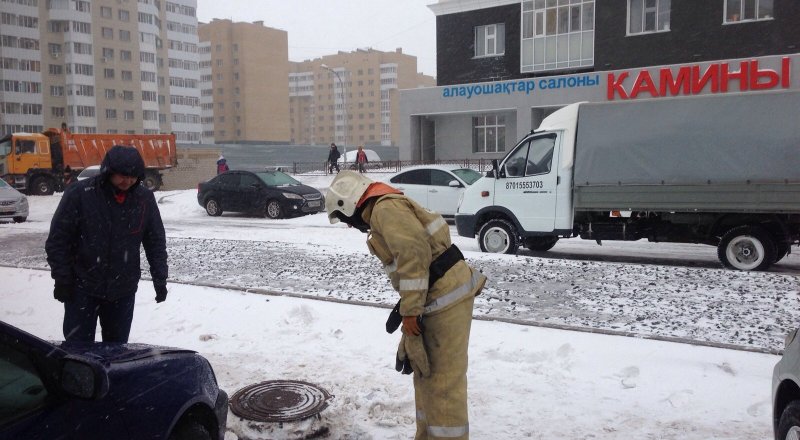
<point x="528" y="188"/>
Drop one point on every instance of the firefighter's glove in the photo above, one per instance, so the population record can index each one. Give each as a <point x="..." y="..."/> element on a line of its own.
<point x="161" y="290"/>
<point x="63" y="292"/>
<point x="412" y="351"/>
<point x="402" y="363"/>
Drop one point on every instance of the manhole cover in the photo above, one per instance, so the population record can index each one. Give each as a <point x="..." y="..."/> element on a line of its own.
<point x="279" y="401"/>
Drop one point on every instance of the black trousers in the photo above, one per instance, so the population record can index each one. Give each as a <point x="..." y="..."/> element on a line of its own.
<point x="82" y="312"/>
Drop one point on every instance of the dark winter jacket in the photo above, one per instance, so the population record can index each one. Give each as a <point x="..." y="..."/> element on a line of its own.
<point x="334" y="155"/>
<point x="94" y="240"/>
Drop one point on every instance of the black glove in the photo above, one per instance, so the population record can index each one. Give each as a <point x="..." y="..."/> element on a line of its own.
<point x="62" y="292"/>
<point x="161" y="291"/>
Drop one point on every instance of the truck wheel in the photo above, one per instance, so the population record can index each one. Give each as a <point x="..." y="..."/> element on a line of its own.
<point x="42" y="186"/>
<point x="213" y="208"/>
<point x="540" y="244"/>
<point x="747" y="248"/>
<point x="498" y="236"/>
<point x="151" y="181"/>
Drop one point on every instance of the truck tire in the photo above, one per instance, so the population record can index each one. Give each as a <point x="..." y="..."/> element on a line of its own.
<point x="151" y="181"/>
<point x="498" y="236"/>
<point x="747" y="248"/>
<point x="42" y="186"/>
<point x="540" y="244"/>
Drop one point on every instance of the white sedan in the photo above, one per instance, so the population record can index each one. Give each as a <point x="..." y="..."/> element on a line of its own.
<point x="436" y="187"/>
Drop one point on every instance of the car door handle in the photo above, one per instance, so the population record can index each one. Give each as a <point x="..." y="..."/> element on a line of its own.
<point x="433" y="191"/>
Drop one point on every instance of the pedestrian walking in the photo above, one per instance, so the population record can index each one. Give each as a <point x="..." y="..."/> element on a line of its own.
<point x="333" y="158"/>
<point x="222" y="164"/>
<point x="437" y="291"/>
<point x="93" y="248"/>
<point x="361" y="159"/>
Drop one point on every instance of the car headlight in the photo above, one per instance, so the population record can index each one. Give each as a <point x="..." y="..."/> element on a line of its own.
<point x="292" y="196"/>
<point x="789" y="338"/>
<point x="23" y="201"/>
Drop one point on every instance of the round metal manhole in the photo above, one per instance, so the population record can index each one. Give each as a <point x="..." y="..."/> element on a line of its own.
<point x="279" y="401"/>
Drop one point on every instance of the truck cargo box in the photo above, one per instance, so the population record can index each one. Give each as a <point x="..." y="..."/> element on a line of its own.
<point x="736" y="152"/>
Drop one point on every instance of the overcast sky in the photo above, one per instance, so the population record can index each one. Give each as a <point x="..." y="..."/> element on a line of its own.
<point x="323" y="27"/>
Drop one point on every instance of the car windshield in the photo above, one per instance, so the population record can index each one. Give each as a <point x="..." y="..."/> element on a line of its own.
<point x="277" y="178"/>
<point x="467" y="175"/>
<point x="89" y="172"/>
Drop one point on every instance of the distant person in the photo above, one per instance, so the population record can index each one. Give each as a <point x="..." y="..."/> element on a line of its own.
<point x="222" y="164"/>
<point x="67" y="176"/>
<point x="333" y="158"/>
<point x="93" y="248"/>
<point x="361" y="159"/>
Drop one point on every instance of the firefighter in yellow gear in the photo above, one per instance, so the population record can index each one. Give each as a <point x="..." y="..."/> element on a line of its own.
<point x="437" y="291"/>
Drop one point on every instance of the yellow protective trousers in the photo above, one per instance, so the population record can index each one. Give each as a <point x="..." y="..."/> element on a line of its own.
<point x="441" y="398"/>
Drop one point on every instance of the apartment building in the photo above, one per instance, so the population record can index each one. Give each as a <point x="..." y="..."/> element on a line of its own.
<point x="245" y="70"/>
<point x="504" y="65"/>
<point x="351" y="97"/>
<point x="103" y="66"/>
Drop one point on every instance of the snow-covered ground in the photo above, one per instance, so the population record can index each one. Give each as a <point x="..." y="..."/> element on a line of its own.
<point x="525" y="381"/>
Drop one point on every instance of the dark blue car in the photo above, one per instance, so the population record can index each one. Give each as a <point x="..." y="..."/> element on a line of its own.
<point x="88" y="391"/>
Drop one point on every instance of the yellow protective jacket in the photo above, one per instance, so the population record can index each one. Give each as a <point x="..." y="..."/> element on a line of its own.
<point x="407" y="238"/>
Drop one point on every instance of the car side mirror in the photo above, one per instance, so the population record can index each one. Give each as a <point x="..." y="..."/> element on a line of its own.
<point x="454" y="184"/>
<point x="84" y="379"/>
<point x="495" y="171"/>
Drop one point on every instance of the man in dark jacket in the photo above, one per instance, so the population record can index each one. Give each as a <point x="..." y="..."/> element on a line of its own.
<point x="333" y="159"/>
<point x="93" y="248"/>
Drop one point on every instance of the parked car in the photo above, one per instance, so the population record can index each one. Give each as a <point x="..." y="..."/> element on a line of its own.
<point x="373" y="159"/>
<point x="88" y="172"/>
<point x="436" y="187"/>
<point x="52" y="390"/>
<point x="786" y="391"/>
<point x="273" y="194"/>
<point x="13" y="204"/>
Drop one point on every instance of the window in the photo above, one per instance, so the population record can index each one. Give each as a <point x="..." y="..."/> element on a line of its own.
<point x="105" y="12"/>
<point x="490" y="40"/>
<point x="748" y="10"/>
<point x="488" y="134"/>
<point x="108" y="33"/>
<point x="124" y="35"/>
<point x="124" y="15"/>
<point x="125" y="55"/>
<point x="128" y="114"/>
<point x="27" y="393"/>
<point x="532" y="158"/>
<point x="108" y="54"/>
<point x="557" y="35"/>
<point x="57" y="112"/>
<point x="56" y="90"/>
<point x="110" y="94"/>
<point x="108" y="73"/>
<point x="111" y="113"/>
<point x="55" y="69"/>
<point x="126" y="75"/>
<point x="646" y="16"/>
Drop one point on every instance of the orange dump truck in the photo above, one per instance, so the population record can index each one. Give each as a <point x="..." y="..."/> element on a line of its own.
<point x="34" y="163"/>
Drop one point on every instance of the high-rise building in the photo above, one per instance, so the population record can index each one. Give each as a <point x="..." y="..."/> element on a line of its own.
<point x="351" y="98"/>
<point x="105" y="66"/>
<point x="246" y="79"/>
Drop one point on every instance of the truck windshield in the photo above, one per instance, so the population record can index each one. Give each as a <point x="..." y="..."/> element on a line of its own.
<point x="5" y="147"/>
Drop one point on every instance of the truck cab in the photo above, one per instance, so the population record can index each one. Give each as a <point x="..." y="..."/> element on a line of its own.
<point x="25" y="161"/>
<point x="526" y="199"/>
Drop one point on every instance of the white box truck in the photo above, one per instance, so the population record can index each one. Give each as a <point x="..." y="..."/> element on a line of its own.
<point x="722" y="170"/>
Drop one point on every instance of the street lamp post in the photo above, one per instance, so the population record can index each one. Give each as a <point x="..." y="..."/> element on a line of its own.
<point x="344" y="106"/>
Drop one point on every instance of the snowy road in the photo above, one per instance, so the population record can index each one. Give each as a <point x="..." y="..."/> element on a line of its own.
<point x="645" y="289"/>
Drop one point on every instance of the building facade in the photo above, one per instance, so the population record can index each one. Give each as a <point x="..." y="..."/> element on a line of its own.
<point x="246" y="78"/>
<point x="107" y="66"/>
<point x="351" y="98"/>
<point x="504" y="65"/>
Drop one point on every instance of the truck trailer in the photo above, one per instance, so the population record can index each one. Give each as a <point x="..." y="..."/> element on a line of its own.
<point x="35" y="163"/>
<point x="721" y="170"/>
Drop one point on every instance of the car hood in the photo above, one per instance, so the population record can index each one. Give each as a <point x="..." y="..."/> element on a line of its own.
<point x="112" y="353"/>
<point x="298" y="189"/>
<point x="7" y="193"/>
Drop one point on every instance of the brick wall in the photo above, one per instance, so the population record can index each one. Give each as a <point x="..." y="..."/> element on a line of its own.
<point x="195" y="165"/>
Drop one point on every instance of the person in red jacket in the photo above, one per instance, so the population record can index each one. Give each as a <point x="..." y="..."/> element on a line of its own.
<point x="361" y="159"/>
